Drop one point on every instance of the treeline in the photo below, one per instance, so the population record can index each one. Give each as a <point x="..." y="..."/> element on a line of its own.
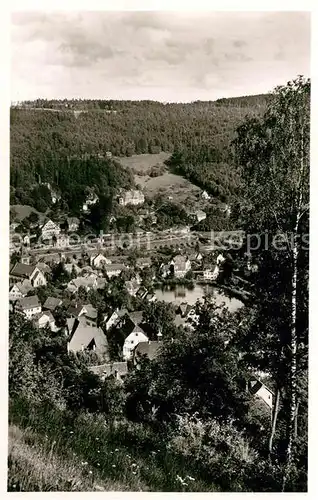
<point x="70" y="179"/>
<point x="120" y="105"/>
<point x="208" y="168"/>
<point x="52" y="146"/>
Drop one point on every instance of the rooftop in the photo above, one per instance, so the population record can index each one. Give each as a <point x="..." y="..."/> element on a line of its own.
<point x="22" y="270"/>
<point x="85" y="336"/>
<point x="30" y="302"/>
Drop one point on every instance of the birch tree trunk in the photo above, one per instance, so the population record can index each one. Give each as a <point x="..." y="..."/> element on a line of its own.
<point x="274" y="421"/>
<point x="293" y="348"/>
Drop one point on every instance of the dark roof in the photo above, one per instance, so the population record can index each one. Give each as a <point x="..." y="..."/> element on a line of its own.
<point x="183" y="307"/>
<point x="254" y="386"/>
<point x="136" y="317"/>
<point x="85" y="335"/>
<point x="150" y="349"/>
<point x="24" y="286"/>
<point x="29" y="302"/>
<point x="75" y="310"/>
<point x="142" y="291"/>
<point x="22" y="270"/>
<point x="43" y="267"/>
<point x="52" y="303"/>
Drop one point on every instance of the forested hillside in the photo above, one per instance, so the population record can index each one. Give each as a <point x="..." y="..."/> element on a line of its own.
<point x="54" y="146"/>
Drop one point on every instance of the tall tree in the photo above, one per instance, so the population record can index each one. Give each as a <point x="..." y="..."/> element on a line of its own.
<point x="273" y="153"/>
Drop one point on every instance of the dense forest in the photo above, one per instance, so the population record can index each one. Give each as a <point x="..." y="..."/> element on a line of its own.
<point x="56" y="146"/>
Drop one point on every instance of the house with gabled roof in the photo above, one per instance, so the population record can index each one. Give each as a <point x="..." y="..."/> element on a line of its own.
<point x="132" y="197"/>
<point x="88" y="283"/>
<point x="149" y="349"/>
<point x="29" y="306"/>
<point x="44" y="319"/>
<point x="258" y="389"/>
<point x="52" y="303"/>
<point x="196" y="257"/>
<point x="88" y="338"/>
<point x="180" y="264"/>
<point x="20" y="272"/>
<point x="114" y="269"/>
<point x="210" y="273"/>
<point x="76" y="310"/>
<point x="134" y="335"/>
<point x="113" y="318"/>
<point x="20" y="289"/>
<point x="44" y="268"/>
<point x="90" y="315"/>
<point x="205" y="195"/>
<point x="99" y="260"/>
<point x="50" y="229"/>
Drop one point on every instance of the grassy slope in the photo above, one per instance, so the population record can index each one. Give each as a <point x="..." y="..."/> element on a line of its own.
<point x="179" y="188"/>
<point x="34" y="466"/>
<point x="123" y="456"/>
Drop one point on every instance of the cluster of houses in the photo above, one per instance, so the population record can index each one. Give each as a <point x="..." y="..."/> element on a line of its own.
<point x="87" y="330"/>
<point x="180" y="265"/>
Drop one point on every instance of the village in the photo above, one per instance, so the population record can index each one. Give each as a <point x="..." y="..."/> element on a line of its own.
<point x="52" y="286"/>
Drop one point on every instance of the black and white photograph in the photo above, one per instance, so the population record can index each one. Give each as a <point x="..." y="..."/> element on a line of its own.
<point x="158" y="276"/>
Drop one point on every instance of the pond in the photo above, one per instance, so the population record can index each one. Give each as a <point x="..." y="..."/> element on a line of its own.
<point x="179" y="294"/>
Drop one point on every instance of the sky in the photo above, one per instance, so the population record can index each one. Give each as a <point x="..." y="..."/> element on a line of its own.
<point x="164" y="56"/>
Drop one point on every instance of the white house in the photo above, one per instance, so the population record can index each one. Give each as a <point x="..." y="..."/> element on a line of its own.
<point x="220" y="259"/>
<point x="114" y="269"/>
<point x="20" y="272"/>
<point x="206" y="196"/>
<point x="208" y="274"/>
<point x="26" y="239"/>
<point x="29" y="306"/>
<point x="99" y="260"/>
<point x="132" y="197"/>
<point x="62" y="241"/>
<point x="136" y="336"/>
<point x="260" y="390"/>
<point x="200" y="215"/>
<point x="20" y="290"/>
<point x="50" y="229"/>
<point x="38" y="279"/>
<point x="44" y="319"/>
<point x="114" y="317"/>
<point x="181" y="265"/>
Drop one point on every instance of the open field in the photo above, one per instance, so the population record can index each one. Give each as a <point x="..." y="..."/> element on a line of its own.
<point x="143" y="162"/>
<point x="23" y="211"/>
<point x="170" y="185"/>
